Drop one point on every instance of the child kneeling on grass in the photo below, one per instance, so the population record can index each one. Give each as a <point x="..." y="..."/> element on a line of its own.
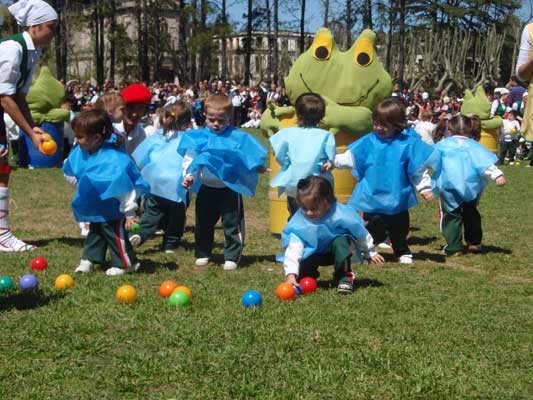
<point x="324" y="232"/>
<point x="108" y="184"/>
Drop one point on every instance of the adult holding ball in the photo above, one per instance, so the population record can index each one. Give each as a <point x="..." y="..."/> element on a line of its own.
<point x="18" y="56"/>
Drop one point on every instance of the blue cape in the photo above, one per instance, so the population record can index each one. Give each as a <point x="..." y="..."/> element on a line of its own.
<point x="161" y="165"/>
<point x="317" y="236"/>
<point x="300" y="152"/>
<point x="460" y="176"/>
<point x="101" y="177"/>
<point x="383" y="168"/>
<point x="233" y="156"/>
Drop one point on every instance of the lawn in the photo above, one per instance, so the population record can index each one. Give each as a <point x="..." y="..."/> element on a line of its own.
<point x="456" y="329"/>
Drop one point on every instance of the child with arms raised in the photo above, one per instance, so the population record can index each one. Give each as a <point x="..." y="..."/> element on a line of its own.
<point x="324" y="232"/>
<point x="108" y="184"/>
<point x="161" y="165"/>
<point x="224" y="163"/>
<point x="465" y="169"/>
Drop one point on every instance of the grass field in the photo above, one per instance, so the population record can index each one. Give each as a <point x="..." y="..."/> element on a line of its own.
<point x="456" y="329"/>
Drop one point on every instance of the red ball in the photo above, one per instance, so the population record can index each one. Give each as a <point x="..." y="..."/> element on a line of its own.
<point x="308" y="284"/>
<point x="39" y="264"/>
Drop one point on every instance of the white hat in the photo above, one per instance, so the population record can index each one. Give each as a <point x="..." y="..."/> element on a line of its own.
<point x="32" y="12"/>
<point x="525" y="94"/>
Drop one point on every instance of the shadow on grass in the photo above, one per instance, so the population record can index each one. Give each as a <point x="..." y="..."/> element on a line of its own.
<point x="27" y="300"/>
<point x="150" y="267"/>
<point x="69" y="241"/>
<point x="425" y="256"/>
<point x="495" y="249"/>
<point x="359" y="283"/>
<point x="421" y="241"/>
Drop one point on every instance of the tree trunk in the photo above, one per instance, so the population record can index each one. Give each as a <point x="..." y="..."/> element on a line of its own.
<point x="248" y="56"/>
<point x="99" y="41"/>
<point x="302" y="28"/>
<point x="205" y="53"/>
<point x="269" y="40"/>
<point x="145" y="67"/>
<point x="112" y="39"/>
<point x="140" y="59"/>
<point x="275" y="66"/>
<point x="194" y="31"/>
<point x="61" y="39"/>
<point x="326" y="13"/>
<point x="348" y="37"/>
<point x="182" y="51"/>
<point x="367" y="17"/>
<point x="388" y="57"/>
<point x="223" y="51"/>
<point x="401" y="52"/>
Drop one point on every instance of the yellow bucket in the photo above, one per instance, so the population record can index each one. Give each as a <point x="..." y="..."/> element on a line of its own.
<point x="344" y="185"/>
<point x="489" y="139"/>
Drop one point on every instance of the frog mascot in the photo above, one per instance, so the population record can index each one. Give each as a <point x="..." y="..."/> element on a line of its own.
<point x="351" y="83"/>
<point x="479" y="104"/>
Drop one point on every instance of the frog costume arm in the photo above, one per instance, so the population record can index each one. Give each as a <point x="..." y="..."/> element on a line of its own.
<point x="479" y="104"/>
<point x="45" y="97"/>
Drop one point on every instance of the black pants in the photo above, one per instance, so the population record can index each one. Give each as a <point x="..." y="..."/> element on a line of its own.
<point x="395" y="227"/>
<point x="109" y="235"/>
<point x="507" y="148"/>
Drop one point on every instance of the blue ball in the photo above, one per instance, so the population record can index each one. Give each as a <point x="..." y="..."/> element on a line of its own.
<point x="251" y="298"/>
<point x="28" y="282"/>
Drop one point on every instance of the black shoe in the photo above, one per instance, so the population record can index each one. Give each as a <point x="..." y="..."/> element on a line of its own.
<point x="346" y="283"/>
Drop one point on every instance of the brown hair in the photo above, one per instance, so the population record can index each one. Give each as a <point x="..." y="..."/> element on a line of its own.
<point x="310" y="109"/>
<point x="218" y="102"/>
<point x="469" y="126"/>
<point x="427" y="115"/>
<point x="176" y="116"/>
<point x="110" y="102"/>
<point x="93" y="122"/>
<point x="390" y="110"/>
<point x="317" y="188"/>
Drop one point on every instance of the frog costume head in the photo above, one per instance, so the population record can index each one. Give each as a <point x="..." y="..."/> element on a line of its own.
<point x="45" y="97"/>
<point x="351" y="82"/>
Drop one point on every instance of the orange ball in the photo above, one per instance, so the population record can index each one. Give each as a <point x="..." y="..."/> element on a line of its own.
<point x="185" y="290"/>
<point x="46" y="137"/>
<point x="285" y="291"/>
<point x="167" y="288"/>
<point x="49" y="147"/>
<point x="126" y="294"/>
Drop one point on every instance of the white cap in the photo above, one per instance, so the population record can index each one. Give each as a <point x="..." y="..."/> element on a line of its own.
<point x="32" y="12"/>
<point x="525" y="94"/>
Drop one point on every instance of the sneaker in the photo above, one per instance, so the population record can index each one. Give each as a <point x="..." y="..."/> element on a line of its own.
<point x="135" y="241"/>
<point x="345" y="284"/>
<point x="529" y="166"/>
<point x="406" y="259"/>
<point x="159" y="232"/>
<point x="475" y="248"/>
<point x="230" y="265"/>
<point x="114" y="271"/>
<point x="10" y="244"/>
<point x="384" y="246"/>
<point x="202" y="262"/>
<point x="454" y="254"/>
<point x="511" y="163"/>
<point x="85" y="267"/>
<point x="84" y="229"/>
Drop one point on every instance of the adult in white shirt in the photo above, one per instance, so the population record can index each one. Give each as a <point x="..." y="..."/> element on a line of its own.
<point x="524" y="70"/>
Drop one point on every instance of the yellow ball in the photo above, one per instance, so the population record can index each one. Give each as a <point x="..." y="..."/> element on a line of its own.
<point x="185" y="290"/>
<point x="126" y="294"/>
<point x="64" y="282"/>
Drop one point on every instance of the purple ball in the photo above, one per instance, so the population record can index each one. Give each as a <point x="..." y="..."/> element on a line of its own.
<point x="28" y="282"/>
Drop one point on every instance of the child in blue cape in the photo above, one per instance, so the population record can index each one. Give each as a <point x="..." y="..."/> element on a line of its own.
<point x="161" y="165"/>
<point x="389" y="165"/>
<point x="302" y="150"/>
<point x="324" y="232"/>
<point x="465" y="168"/>
<point x="108" y="184"/>
<point x="221" y="163"/>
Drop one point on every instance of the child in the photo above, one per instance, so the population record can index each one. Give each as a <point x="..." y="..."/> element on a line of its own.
<point x="225" y="160"/>
<point x="108" y="184"/>
<point x="301" y="151"/>
<point x="324" y="232"/>
<point x="508" y="137"/>
<point x="462" y="176"/>
<point x="162" y="170"/>
<point x="113" y="104"/>
<point x="18" y="56"/>
<point x="389" y="164"/>
<point x="425" y="127"/>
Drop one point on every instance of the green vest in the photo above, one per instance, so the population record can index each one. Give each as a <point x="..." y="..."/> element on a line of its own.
<point x="24" y="72"/>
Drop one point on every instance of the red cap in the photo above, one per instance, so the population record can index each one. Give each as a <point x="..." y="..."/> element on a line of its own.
<point x="137" y="94"/>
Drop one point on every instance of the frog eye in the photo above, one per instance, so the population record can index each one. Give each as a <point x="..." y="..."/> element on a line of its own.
<point x="322" y="46"/>
<point x="364" y="52"/>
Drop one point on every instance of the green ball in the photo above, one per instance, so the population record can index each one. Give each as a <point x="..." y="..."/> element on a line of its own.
<point x="6" y="283"/>
<point x="135" y="228"/>
<point x="179" y="299"/>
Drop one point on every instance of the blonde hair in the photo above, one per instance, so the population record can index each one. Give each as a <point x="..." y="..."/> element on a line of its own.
<point x="218" y="102"/>
<point x="110" y="102"/>
<point x="176" y="117"/>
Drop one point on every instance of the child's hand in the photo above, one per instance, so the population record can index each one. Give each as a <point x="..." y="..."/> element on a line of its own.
<point x="500" y="181"/>
<point x="377" y="259"/>
<point x="129" y="222"/>
<point x="328" y="165"/>
<point x="291" y="278"/>
<point x="4" y="150"/>
<point x="187" y="182"/>
<point x="263" y="169"/>
<point x="428" y="196"/>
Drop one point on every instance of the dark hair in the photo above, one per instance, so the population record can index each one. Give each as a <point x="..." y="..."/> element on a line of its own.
<point x="310" y="109"/>
<point x="469" y="126"/>
<point x="390" y="110"/>
<point x="316" y="187"/>
<point x="93" y="122"/>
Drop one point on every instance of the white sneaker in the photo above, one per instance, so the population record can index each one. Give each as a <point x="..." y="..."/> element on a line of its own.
<point x="406" y="259"/>
<point x="114" y="271"/>
<point x="230" y="265"/>
<point x="10" y="244"/>
<point x="511" y="163"/>
<point x="385" y="246"/>
<point x="202" y="262"/>
<point x="159" y="232"/>
<point x="135" y="241"/>
<point x="84" y="229"/>
<point x="85" y="267"/>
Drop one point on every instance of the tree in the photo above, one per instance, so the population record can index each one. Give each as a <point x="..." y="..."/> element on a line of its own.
<point x="302" y="26"/>
<point x="275" y="66"/>
<point x="248" y="54"/>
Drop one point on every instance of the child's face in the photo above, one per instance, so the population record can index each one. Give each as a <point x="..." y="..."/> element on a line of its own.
<point x="217" y="119"/>
<point x="89" y="143"/>
<point x="385" y="130"/>
<point x="117" y="115"/>
<point x="313" y="208"/>
<point x="133" y="113"/>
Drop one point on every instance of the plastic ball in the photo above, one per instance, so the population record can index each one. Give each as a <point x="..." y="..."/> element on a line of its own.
<point x="179" y="298"/>
<point x="167" y="288"/>
<point x="28" y="282"/>
<point x="47" y="137"/>
<point x="285" y="291"/>
<point x="308" y="284"/>
<point x="251" y="298"/>
<point x="135" y="228"/>
<point x="64" y="281"/>
<point x="126" y="294"/>
<point x="39" y="264"/>
<point x="6" y="283"/>
<point x="185" y="290"/>
<point x="49" y="147"/>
